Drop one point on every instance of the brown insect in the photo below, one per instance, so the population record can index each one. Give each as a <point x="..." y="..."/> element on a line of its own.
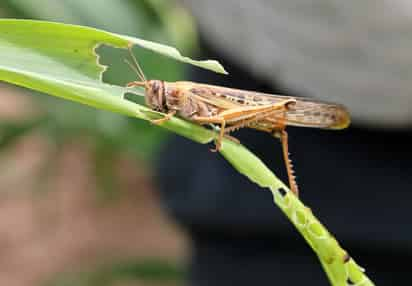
<point x="232" y="109"/>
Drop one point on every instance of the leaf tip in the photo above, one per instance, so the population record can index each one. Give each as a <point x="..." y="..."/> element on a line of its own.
<point x="214" y="65"/>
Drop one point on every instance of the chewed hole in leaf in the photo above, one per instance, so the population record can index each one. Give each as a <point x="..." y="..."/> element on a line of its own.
<point x="119" y="73"/>
<point x="350" y="282"/>
<point x="282" y="191"/>
<point x="136" y="96"/>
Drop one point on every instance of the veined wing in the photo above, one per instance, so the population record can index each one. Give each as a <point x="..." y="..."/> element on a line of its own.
<point x="305" y="113"/>
<point x="229" y="96"/>
<point x="308" y="113"/>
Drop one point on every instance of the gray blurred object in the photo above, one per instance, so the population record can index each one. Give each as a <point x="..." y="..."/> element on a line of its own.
<point x="358" y="53"/>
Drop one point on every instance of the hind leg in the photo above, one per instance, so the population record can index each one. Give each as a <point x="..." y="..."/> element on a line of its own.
<point x="283" y="136"/>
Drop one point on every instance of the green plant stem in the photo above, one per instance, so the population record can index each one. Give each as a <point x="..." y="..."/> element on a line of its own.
<point x="340" y="268"/>
<point x="69" y="69"/>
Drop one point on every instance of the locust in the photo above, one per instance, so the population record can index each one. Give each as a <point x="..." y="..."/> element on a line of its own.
<point x="231" y="109"/>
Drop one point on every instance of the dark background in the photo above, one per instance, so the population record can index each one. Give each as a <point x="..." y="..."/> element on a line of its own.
<point x="356" y="181"/>
<point x="92" y="198"/>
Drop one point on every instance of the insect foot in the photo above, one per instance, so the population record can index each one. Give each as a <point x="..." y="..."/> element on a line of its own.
<point x="167" y="117"/>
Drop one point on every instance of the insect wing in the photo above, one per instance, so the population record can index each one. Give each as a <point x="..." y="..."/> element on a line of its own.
<point x="304" y="113"/>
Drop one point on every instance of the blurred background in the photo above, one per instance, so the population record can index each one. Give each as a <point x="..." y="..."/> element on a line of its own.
<point x="77" y="196"/>
<point x="92" y="198"/>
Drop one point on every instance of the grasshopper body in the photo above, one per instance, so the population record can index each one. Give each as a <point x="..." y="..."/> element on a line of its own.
<point x="232" y="109"/>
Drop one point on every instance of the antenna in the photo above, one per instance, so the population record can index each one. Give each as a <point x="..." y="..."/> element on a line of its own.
<point x="136" y="67"/>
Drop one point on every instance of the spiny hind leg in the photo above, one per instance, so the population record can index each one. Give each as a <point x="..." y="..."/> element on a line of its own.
<point x="253" y="118"/>
<point x="250" y="114"/>
<point x="283" y="136"/>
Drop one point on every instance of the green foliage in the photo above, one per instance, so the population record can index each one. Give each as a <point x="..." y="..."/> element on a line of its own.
<point x="11" y="131"/>
<point x="70" y="69"/>
<point x="73" y="73"/>
<point x="146" y="270"/>
<point x="107" y="135"/>
<point x="157" y="20"/>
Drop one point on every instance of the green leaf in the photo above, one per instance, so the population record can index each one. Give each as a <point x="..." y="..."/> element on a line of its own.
<point x="96" y="12"/>
<point x="251" y="166"/>
<point x="148" y="271"/>
<point x="60" y="60"/>
<point x="12" y="131"/>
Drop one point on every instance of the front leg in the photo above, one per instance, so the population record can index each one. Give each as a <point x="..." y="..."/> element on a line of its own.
<point x="213" y="120"/>
<point x="167" y="117"/>
<point x="226" y="135"/>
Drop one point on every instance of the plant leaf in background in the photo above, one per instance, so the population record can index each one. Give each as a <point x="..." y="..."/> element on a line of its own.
<point x="59" y="60"/>
<point x="66" y="123"/>
<point x="148" y="271"/>
<point x="156" y="20"/>
<point x="69" y="67"/>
